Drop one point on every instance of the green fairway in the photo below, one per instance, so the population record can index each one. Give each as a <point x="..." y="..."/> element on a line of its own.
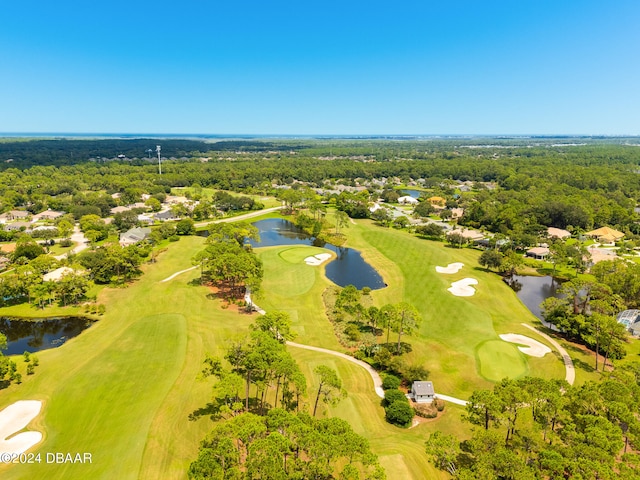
<point x="124" y="389"/>
<point x="498" y="359"/>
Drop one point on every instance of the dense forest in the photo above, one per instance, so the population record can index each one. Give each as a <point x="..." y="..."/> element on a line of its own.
<point x="517" y="189"/>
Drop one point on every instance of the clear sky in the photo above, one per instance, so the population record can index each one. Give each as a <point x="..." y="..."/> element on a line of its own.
<point x="330" y="67"/>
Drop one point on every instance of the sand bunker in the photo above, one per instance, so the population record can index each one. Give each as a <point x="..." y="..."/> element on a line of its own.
<point x="463" y="288"/>
<point x="451" y="268"/>
<point x="533" y="347"/>
<point x="13" y="419"/>
<point x="317" y="259"/>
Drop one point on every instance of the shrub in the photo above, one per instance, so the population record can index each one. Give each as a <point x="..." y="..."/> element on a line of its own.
<point x="414" y="373"/>
<point x="399" y="413"/>
<point x="35" y="361"/>
<point x="27" y="356"/>
<point x="30" y="369"/>
<point x="352" y="332"/>
<point x="439" y="404"/>
<point x="66" y="242"/>
<point x="392" y="396"/>
<point x="426" y="410"/>
<point x="390" y="382"/>
<point x="360" y="355"/>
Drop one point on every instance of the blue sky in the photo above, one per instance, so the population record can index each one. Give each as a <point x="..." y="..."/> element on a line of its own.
<point x="332" y="67"/>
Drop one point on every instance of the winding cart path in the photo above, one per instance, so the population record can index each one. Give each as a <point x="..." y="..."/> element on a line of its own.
<point x="570" y="375"/>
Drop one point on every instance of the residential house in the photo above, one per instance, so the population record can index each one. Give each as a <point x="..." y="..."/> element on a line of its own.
<point x="47" y="215"/>
<point x="115" y="210"/>
<point x="437" y="201"/>
<point x="166" y="216"/>
<point x="15" y="226"/>
<point x="145" y="219"/>
<point x="559" y="233"/>
<point x="14" y="215"/>
<point x="134" y="235"/>
<point x="469" y="235"/>
<point x="539" y="253"/>
<point x="606" y="235"/>
<point x="57" y="274"/>
<point x="407" y="200"/>
<point x="457" y="213"/>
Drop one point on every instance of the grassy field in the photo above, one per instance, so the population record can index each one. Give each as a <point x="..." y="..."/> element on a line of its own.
<point x="267" y="201"/>
<point x="124" y="390"/>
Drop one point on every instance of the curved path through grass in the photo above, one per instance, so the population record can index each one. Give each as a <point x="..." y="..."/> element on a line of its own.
<point x="171" y="277"/>
<point x="570" y="376"/>
<point x="377" y="381"/>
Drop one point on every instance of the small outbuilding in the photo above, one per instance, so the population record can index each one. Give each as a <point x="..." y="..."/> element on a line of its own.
<point x="422" y="392"/>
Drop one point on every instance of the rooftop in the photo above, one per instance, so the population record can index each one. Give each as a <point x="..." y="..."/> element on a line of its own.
<point x="423" y="388"/>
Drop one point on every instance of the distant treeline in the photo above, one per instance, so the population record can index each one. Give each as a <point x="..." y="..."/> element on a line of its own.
<point x="25" y="152"/>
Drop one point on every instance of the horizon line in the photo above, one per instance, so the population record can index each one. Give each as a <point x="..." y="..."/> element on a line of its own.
<point x="317" y="135"/>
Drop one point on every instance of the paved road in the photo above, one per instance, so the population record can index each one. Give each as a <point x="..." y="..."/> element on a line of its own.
<point x="570" y="375"/>
<point x="79" y="239"/>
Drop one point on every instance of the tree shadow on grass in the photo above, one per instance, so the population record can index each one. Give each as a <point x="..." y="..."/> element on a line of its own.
<point x="582" y="365"/>
<point x="392" y="347"/>
<point x="210" y="409"/>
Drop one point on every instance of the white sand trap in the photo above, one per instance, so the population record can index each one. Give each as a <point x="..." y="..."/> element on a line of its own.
<point x="451" y="268"/>
<point x="13" y="419"/>
<point x="533" y="347"/>
<point x="318" y="259"/>
<point x="463" y="288"/>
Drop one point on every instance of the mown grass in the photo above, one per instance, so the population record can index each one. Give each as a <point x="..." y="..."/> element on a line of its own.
<point x="124" y="390"/>
<point x="458" y="340"/>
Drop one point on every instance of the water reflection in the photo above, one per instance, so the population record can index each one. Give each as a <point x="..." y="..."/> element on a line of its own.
<point x="532" y="291"/>
<point x="40" y="334"/>
<point x="349" y="268"/>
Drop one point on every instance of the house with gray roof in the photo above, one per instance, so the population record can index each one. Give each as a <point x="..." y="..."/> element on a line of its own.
<point x="166" y="216"/>
<point x="134" y="235"/>
<point x="422" y="392"/>
<point x="15" y="226"/>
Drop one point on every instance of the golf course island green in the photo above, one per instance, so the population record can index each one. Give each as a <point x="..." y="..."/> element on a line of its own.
<point x="127" y="390"/>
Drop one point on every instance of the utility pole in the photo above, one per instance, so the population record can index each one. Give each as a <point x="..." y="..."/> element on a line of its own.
<point x="159" y="163"/>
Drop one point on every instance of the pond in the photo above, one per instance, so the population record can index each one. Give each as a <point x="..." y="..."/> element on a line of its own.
<point x="412" y="193"/>
<point x="532" y="291"/>
<point x="33" y="335"/>
<point x="348" y="268"/>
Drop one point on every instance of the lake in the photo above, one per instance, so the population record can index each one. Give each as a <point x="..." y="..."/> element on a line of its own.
<point x="412" y="193"/>
<point x="33" y="335"/>
<point x="532" y="291"/>
<point x="348" y="268"/>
